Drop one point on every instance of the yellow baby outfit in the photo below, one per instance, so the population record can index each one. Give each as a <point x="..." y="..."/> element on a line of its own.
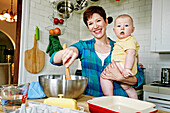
<point x="119" y="51"/>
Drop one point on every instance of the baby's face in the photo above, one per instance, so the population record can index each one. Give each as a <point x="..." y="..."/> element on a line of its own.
<point x="123" y="27"/>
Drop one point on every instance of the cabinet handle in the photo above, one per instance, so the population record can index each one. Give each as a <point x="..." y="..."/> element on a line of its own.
<point x="156" y="98"/>
<point x="166" y="107"/>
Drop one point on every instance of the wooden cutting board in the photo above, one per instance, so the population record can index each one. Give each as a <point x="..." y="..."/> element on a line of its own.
<point x="34" y="59"/>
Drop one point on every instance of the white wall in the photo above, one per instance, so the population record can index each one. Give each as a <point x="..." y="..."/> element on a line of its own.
<point x="39" y="12"/>
<point x="141" y="12"/>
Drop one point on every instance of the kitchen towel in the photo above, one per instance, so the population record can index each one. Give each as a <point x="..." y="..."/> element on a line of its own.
<point x="35" y="91"/>
<point x="54" y="45"/>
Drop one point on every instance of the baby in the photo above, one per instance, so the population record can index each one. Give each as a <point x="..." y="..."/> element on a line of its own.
<point x="124" y="54"/>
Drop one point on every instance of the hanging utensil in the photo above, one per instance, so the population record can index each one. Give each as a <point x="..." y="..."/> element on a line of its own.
<point x="80" y="5"/>
<point x="65" y="9"/>
<point x="34" y="59"/>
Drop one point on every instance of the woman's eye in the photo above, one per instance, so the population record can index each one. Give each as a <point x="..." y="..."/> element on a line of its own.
<point x="126" y="25"/>
<point x="98" y="20"/>
<point x="89" y="23"/>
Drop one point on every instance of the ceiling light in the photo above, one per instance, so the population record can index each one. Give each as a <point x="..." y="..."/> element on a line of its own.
<point x="2" y="17"/>
<point x="8" y="15"/>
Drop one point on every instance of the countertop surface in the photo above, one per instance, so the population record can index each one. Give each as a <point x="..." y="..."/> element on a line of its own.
<point x="81" y="101"/>
<point x="156" y="89"/>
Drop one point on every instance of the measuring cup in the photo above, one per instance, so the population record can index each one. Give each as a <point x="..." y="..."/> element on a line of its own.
<point x="12" y="96"/>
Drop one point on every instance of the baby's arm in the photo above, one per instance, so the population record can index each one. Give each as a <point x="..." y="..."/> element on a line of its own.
<point x="129" y="61"/>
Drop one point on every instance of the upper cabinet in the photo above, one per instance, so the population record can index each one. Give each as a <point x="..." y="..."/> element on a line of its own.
<point x="160" y="34"/>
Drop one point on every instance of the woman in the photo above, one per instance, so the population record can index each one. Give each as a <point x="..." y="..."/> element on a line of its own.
<point x="95" y="55"/>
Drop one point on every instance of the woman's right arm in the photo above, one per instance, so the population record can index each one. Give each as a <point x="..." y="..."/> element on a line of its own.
<point x="112" y="72"/>
<point x="68" y="55"/>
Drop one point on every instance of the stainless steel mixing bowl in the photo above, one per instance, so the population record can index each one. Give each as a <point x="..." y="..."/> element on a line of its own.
<point x="57" y="84"/>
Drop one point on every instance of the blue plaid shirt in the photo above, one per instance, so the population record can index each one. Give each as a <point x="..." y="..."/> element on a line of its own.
<point x="92" y="68"/>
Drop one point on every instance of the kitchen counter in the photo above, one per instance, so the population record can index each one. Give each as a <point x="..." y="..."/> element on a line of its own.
<point x="81" y="101"/>
<point x="156" y="89"/>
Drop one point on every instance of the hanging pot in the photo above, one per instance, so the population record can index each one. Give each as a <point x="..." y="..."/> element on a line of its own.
<point x="65" y="9"/>
<point x="94" y="2"/>
<point x="80" y="5"/>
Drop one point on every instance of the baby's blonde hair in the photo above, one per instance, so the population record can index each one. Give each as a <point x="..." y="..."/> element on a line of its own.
<point x="123" y="16"/>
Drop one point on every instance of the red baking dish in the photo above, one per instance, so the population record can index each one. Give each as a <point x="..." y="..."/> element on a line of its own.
<point x="119" y="104"/>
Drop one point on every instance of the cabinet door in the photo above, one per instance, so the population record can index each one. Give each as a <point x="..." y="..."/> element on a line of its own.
<point x="160" y="35"/>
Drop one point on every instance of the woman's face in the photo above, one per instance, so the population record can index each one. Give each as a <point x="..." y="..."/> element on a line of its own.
<point x="97" y="25"/>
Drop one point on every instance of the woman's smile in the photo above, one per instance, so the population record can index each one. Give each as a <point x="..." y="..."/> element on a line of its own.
<point x="98" y="31"/>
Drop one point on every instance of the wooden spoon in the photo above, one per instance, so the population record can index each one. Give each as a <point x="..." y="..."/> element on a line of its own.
<point x="68" y="77"/>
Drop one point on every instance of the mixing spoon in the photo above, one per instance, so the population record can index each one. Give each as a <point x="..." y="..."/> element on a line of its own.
<point x="68" y="77"/>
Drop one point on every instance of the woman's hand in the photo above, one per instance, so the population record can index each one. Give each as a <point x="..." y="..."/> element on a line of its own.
<point x="69" y="55"/>
<point x="140" y="65"/>
<point x="112" y="72"/>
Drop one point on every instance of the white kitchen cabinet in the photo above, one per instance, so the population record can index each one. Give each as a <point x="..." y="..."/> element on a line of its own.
<point x="160" y="34"/>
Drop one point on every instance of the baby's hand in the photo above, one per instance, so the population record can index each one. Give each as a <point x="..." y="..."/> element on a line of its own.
<point x="127" y="73"/>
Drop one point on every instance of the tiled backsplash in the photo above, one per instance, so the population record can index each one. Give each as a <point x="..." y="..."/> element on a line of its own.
<point x="141" y="12"/>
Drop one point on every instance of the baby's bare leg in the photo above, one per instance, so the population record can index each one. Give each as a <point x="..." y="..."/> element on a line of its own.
<point x="107" y="86"/>
<point x="130" y="91"/>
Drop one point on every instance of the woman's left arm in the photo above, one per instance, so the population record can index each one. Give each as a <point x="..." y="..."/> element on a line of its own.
<point x="112" y="72"/>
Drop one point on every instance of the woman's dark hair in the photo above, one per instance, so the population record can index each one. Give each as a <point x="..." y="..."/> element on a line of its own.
<point x="95" y="9"/>
<point x="91" y="10"/>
